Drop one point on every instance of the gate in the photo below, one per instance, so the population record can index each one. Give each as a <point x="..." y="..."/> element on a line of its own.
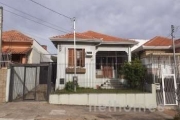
<point x="169" y="88"/>
<point x="30" y="82"/>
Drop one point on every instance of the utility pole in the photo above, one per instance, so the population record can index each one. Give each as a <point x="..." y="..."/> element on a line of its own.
<point x="174" y="56"/>
<point x="75" y="78"/>
<point x="1" y="23"/>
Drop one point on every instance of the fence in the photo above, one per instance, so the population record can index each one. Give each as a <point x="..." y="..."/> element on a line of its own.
<point x="155" y="71"/>
<point x="30" y="82"/>
<point x="5" y="59"/>
<point x="106" y="76"/>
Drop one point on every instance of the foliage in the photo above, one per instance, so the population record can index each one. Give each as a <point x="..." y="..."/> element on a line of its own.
<point x="70" y="86"/>
<point x="134" y="72"/>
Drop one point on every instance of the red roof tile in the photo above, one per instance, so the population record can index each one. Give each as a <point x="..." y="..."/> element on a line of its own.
<point x="16" y="50"/>
<point x="159" y="41"/>
<point x="93" y="35"/>
<point x="177" y="41"/>
<point x="15" y="36"/>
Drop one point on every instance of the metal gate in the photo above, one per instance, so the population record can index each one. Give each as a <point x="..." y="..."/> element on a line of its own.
<point x="30" y="82"/>
<point x="169" y="89"/>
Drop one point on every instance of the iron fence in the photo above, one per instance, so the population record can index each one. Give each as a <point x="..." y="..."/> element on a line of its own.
<point x="97" y="76"/>
<point x="5" y="60"/>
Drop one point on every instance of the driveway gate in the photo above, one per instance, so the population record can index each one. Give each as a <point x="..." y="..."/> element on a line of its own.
<point x="30" y="82"/>
<point x="169" y="89"/>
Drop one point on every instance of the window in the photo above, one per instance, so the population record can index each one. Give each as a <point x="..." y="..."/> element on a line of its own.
<point x="80" y="57"/>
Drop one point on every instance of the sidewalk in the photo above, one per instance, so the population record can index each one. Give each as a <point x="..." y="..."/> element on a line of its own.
<point x="45" y="111"/>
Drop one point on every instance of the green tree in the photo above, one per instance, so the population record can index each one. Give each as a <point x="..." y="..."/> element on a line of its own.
<point x="134" y="73"/>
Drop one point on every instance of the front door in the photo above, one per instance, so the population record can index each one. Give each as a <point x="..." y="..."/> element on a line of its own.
<point x="107" y="72"/>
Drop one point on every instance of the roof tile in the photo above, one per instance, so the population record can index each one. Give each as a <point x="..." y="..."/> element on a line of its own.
<point x="92" y="35"/>
<point x="15" y="36"/>
<point x="159" y="41"/>
<point x="16" y="50"/>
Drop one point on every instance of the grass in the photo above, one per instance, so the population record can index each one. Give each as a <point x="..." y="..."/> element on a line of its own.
<point x="91" y="90"/>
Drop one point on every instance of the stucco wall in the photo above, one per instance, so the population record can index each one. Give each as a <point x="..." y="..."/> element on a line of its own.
<point x="62" y="64"/>
<point x="89" y="78"/>
<point x="143" y="100"/>
<point x="38" y="54"/>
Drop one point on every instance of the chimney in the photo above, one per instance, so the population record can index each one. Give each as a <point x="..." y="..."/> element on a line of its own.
<point x="44" y="46"/>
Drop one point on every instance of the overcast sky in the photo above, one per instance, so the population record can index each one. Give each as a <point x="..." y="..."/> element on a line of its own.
<point x="141" y="19"/>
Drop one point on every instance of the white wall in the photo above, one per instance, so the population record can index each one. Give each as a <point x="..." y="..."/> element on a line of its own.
<point x="37" y="54"/>
<point x="140" y="42"/>
<point x="142" y="100"/>
<point x="62" y="64"/>
<point x="89" y="78"/>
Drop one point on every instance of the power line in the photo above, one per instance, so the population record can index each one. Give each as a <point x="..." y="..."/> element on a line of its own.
<point x="33" y="16"/>
<point x="51" y="10"/>
<point x="35" y="21"/>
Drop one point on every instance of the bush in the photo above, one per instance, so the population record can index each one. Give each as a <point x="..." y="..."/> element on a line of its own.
<point x="70" y="86"/>
<point x="134" y="73"/>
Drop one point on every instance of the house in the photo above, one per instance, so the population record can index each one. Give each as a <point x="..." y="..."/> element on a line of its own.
<point x="20" y="48"/>
<point x="98" y="57"/>
<point x="157" y="55"/>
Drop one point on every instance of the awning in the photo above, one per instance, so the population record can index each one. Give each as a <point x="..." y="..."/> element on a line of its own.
<point x="16" y="50"/>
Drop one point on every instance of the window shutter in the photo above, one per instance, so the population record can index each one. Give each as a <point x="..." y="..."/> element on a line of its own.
<point x="70" y="57"/>
<point x="83" y="57"/>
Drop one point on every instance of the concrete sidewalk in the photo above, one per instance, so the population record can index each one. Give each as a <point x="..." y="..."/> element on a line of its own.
<point x="45" y="111"/>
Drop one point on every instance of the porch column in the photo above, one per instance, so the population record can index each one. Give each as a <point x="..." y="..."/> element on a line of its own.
<point x="129" y="54"/>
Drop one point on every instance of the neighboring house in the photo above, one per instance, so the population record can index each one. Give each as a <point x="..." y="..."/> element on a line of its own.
<point x="98" y="57"/>
<point x="22" y="49"/>
<point x="157" y="55"/>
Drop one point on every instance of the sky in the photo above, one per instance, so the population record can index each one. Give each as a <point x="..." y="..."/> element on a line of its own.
<point x="132" y="19"/>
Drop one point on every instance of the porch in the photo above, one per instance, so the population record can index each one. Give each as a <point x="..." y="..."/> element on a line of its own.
<point x="108" y="63"/>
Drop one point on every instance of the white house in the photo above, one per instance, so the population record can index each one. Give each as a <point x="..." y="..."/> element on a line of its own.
<point x="39" y="53"/>
<point x="98" y="58"/>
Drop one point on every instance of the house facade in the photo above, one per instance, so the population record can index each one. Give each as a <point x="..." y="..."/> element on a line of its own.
<point x="98" y="58"/>
<point x="157" y="55"/>
<point x="19" y="48"/>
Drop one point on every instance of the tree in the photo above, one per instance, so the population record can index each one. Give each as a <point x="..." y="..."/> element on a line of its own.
<point x="134" y="73"/>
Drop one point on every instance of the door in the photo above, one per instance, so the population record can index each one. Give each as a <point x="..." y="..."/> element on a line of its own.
<point x="169" y="89"/>
<point x="107" y="71"/>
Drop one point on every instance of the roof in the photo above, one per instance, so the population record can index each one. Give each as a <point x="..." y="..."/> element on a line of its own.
<point x="89" y="35"/>
<point x="16" y="50"/>
<point x="15" y="36"/>
<point x="159" y="41"/>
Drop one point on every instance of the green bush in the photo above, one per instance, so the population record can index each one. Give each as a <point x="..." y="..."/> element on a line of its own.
<point x="70" y="86"/>
<point x="134" y="73"/>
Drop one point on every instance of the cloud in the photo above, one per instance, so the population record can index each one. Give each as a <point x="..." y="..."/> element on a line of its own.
<point x="121" y="18"/>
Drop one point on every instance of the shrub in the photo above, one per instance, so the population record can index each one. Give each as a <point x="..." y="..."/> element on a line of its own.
<point x="134" y="72"/>
<point x="69" y="86"/>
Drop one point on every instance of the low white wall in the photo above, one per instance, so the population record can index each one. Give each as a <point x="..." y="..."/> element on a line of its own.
<point x="142" y="100"/>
